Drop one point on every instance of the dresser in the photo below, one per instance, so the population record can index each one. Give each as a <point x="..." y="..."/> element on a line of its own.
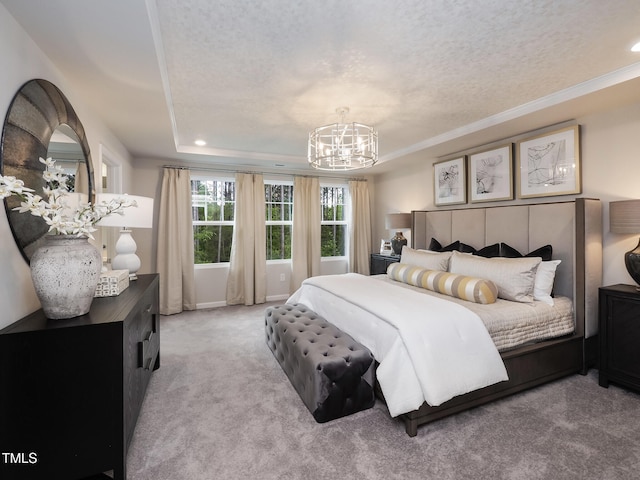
<point x="379" y="263"/>
<point x="71" y="390"/>
<point x="619" y="332"/>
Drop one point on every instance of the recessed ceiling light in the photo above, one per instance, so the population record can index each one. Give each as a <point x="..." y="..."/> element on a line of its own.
<point x="636" y="47"/>
<point x="200" y="143"/>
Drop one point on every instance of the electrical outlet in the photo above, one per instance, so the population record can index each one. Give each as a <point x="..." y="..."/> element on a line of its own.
<point x="282" y="277"/>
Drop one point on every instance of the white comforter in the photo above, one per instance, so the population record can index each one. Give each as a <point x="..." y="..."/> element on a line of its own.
<point x="429" y="349"/>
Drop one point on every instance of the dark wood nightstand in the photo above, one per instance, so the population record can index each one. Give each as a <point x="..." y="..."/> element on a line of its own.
<point x="379" y="263"/>
<point x="619" y="332"/>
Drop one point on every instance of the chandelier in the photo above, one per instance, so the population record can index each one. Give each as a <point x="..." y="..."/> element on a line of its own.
<point x="343" y="146"/>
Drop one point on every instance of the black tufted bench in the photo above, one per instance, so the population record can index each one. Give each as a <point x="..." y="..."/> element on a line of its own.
<point x="333" y="374"/>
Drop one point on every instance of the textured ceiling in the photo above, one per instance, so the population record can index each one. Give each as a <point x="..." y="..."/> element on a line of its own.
<point x="252" y="78"/>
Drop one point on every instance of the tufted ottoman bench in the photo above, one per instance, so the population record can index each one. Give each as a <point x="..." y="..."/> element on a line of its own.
<point x="333" y="374"/>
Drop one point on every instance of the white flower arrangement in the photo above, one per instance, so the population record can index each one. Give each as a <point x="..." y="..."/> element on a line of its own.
<point x="56" y="210"/>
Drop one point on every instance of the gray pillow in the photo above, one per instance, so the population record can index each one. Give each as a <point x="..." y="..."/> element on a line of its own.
<point x="426" y="259"/>
<point x="514" y="277"/>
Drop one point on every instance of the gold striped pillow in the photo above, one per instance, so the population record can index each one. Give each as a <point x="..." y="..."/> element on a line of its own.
<point x="477" y="290"/>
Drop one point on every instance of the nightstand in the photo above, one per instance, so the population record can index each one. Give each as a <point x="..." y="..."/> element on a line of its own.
<point x="379" y="263"/>
<point x="619" y="332"/>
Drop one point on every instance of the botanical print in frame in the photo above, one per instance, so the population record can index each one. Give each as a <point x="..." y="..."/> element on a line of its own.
<point x="490" y="175"/>
<point x="549" y="164"/>
<point x="450" y="182"/>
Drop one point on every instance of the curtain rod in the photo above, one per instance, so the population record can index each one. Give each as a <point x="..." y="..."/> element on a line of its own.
<point x="227" y="170"/>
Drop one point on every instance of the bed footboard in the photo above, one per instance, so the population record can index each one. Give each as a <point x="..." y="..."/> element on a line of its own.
<point x="527" y="367"/>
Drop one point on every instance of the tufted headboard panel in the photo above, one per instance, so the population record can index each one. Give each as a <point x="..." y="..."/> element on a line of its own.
<point x="572" y="228"/>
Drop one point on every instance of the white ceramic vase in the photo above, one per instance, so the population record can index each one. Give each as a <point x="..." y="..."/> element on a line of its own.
<point x="65" y="272"/>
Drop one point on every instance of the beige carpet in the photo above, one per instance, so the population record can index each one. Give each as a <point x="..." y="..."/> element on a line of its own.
<point x="220" y="407"/>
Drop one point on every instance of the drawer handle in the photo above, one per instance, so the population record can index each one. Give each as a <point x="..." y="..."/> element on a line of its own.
<point x="147" y="309"/>
<point x="144" y="360"/>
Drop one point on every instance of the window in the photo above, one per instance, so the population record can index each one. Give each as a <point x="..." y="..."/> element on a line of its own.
<point x="213" y="201"/>
<point x="279" y="219"/>
<point x="333" y="226"/>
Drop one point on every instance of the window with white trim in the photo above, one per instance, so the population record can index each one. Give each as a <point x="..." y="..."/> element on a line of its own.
<point x="213" y="201"/>
<point x="212" y="204"/>
<point x="333" y="225"/>
<point x="278" y="218"/>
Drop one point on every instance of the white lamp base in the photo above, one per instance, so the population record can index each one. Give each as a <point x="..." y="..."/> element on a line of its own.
<point x="126" y="258"/>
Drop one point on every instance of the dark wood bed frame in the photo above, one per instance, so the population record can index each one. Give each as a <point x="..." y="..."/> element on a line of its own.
<point x="539" y="363"/>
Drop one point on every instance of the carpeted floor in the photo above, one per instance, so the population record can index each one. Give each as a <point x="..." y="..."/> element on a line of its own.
<point x="220" y="407"/>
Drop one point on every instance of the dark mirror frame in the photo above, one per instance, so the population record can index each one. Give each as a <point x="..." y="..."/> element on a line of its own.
<point x="37" y="109"/>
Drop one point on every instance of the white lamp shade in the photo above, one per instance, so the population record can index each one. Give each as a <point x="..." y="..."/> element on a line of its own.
<point x="131" y="217"/>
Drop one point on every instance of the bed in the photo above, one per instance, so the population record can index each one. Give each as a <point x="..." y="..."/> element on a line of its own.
<point x="573" y="228"/>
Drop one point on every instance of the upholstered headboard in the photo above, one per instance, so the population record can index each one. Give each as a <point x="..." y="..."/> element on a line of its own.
<point x="572" y="228"/>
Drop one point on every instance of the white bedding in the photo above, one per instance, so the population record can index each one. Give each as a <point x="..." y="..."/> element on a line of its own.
<point x="447" y="345"/>
<point x="511" y="324"/>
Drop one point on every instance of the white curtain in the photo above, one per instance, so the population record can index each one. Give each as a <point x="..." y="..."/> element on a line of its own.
<point x="359" y="227"/>
<point x="175" y="243"/>
<point x="247" y="281"/>
<point x="305" y="243"/>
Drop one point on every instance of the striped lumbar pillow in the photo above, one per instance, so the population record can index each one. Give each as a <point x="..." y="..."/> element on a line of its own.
<point x="473" y="289"/>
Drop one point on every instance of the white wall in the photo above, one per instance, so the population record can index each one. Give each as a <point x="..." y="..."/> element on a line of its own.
<point x="610" y="143"/>
<point x="22" y="61"/>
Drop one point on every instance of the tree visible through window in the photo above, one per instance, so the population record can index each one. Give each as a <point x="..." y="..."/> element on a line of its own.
<point x="333" y="228"/>
<point x="213" y="202"/>
<point x="278" y="219"/>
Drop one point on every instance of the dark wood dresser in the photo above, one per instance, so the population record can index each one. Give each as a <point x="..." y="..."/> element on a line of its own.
<point x="71" y="390"/>
<point x="379" y="263"/>
<point x="619" y="332"/>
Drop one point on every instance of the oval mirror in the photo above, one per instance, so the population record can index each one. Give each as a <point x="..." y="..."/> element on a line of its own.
<point x="41" y="122"/>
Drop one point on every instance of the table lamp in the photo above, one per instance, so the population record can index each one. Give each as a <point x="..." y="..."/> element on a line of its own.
<point x="134" y="217"/>
<point x="398" y="222"/>
<point x="624" y="217"/>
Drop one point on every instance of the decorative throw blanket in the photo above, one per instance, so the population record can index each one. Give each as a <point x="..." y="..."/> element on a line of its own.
<point x="429" y="349"/>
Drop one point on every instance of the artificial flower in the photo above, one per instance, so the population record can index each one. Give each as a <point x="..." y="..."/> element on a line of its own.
<point x="55" y="210"/>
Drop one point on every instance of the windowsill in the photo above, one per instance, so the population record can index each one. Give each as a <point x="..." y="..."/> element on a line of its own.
<point x="207" y="266"/>
<point x="333" y="259"/>
<point x="286" y="261"/>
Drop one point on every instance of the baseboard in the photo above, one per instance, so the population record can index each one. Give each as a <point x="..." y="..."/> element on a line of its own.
<point x="277" y="298"/>
<point x="271" y="298"/>
<point x="203" y="306"/>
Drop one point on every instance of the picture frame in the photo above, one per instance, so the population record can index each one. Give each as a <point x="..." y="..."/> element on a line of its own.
<point x="450" y="181"/>
<point x="491" y="174"/>
<point x="385" y="247"/>
<point x="549" y="164"/>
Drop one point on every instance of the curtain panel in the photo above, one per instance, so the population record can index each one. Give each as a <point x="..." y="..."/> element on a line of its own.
<point x="247" y="280"/>
<point x="359" y="227"/>
<point x="175" y="243"/>
<point x="305" y="242"/>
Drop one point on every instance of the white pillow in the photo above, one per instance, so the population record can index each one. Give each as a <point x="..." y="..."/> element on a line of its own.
<point x="426" y="259"/>
<point x="514" y="277"/>
<point x="543" y="284"/>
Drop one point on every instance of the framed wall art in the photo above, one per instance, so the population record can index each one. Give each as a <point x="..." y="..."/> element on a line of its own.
<point x="450" y="182"/>
<point x="549" y="164"/>
<point x="491" y="175"/>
